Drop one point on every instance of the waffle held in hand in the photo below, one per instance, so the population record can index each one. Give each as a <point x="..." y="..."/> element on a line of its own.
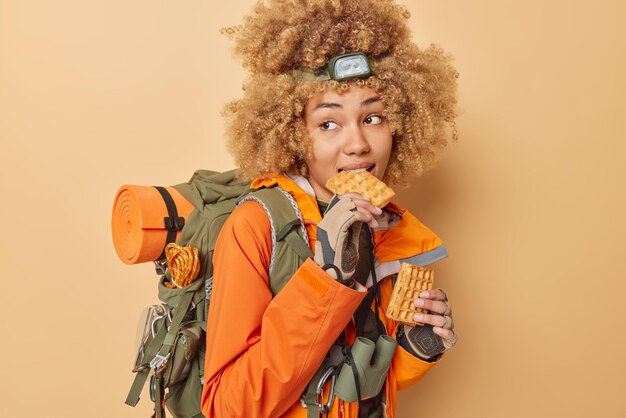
<point x="410" y="282"/>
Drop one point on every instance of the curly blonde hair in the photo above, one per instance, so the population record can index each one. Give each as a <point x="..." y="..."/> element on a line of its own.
<point x="266" y="130"/>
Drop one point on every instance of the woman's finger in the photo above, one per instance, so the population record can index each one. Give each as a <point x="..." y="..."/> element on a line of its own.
<point x="435" y="294"/>
<point x="365" y="217"/>
<point x="436" y="306"/>
<point x="362" y="202"/>
<point x="449" y="336"/>
<point x="439" y="321"/>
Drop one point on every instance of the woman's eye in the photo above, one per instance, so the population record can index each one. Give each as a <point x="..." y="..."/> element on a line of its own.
<point x="328" y="125"/>
<point x="373" y="120"/>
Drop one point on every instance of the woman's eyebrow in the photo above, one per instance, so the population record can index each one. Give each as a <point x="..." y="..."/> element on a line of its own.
<point x="333" y="105"/>
<point x="370" y="100"/>
<point x="327" y="105"/>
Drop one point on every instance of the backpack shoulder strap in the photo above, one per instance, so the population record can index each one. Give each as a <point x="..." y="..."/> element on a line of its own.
<point x="289" y="238"/>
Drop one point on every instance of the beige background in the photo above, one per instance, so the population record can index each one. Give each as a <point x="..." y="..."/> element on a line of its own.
<point x="530" y="201"/>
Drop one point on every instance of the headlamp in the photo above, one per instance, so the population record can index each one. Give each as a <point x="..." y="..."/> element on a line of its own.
<point x="349" y="66"/>
<point x="340" y="68"/>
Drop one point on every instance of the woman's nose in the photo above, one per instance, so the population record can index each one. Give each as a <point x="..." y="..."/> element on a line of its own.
<point x="356" y="143"/>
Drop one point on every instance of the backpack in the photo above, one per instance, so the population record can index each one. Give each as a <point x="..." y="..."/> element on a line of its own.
<point x="172" y="348"/>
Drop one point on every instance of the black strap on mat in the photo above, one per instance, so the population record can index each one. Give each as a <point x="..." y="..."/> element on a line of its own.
<point x="173" y="223"/>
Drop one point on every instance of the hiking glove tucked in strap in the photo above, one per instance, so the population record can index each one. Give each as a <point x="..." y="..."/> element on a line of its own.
<point x="422" y="342"/>
<point x="337" y="245"/>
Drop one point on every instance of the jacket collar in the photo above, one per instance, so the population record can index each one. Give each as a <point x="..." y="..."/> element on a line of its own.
<point x="408" y="238"/>
<point x="306" y="200"/>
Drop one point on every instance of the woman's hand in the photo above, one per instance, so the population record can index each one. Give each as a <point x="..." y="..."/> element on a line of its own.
<point x="338" y="234"/>
<point x="440" y="317"/>
<point x="437" y="334"/>
<point x="365" y="212"/>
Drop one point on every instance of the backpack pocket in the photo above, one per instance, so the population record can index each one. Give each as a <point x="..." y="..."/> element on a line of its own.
<point x="184" y="391"/>
<point x="189" y="338"/>
<point x="183" y="398"/>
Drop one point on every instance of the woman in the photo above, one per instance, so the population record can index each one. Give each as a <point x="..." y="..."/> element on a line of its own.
<point x="382" y="105"/>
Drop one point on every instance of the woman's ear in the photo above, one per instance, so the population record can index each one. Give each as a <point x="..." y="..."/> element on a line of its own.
<point x="302" y="167"/>
<point x="299" y="160"/>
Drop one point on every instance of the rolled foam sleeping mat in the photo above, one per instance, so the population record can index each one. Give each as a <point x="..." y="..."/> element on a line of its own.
<point x="137" y="223"/>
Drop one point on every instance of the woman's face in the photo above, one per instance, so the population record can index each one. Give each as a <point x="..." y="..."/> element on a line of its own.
<point x="348" y="132"/>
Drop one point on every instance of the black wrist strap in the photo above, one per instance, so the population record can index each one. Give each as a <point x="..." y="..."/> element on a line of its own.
<point x="349" y="283"/>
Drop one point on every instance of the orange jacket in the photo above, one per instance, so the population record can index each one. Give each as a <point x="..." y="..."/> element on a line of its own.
<point x="262" y="351"/>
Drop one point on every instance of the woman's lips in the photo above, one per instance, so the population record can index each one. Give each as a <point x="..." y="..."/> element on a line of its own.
<point x="357" y="166"/>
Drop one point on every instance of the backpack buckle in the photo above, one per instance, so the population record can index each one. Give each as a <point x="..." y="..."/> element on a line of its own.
<point x="324" y="408"/>
<point x="158" y="362"/>
<point x="160" y="266"/>
<point x="173" y="223"/>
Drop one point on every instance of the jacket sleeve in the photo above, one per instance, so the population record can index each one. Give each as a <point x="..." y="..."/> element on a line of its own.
<point x="409" y="369"/>
<point x="262" y="351"/>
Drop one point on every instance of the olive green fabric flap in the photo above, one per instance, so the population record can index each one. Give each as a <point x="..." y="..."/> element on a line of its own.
<point x="209" y="187"/>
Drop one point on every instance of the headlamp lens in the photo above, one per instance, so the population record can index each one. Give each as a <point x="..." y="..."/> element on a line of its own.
<point x="348" y="66"/>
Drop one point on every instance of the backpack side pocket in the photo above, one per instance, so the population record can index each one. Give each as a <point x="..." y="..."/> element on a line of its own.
<point x="184" y="352"/>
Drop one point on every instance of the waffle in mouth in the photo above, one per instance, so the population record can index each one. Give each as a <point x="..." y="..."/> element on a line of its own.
<point x="363" y="183"/>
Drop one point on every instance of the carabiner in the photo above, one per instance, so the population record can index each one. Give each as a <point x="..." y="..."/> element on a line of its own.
<point x="320" y="390"/>
<point x="153" y="330"/>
